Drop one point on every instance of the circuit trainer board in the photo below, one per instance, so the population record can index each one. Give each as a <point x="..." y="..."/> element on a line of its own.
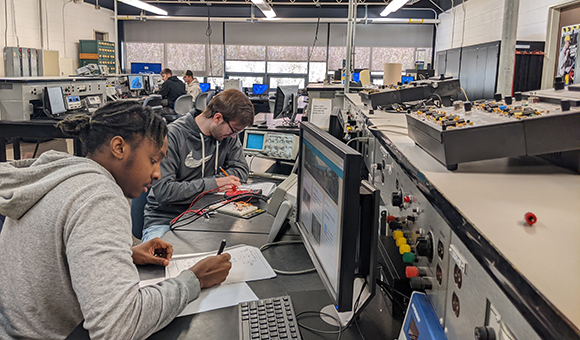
<point x="494" y="130"/>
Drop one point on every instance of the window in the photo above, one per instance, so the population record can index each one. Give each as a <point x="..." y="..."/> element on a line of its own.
<point x="362" y="58"/>
<point x="144" y="53"/>
<point x="317" y="53"/>
<point x="249" y="81"/>
<point x="216" y="65"/>
<point x="287" y="67"/>
<point x="276" y="81"/>
<point x="403" y="55"/>
<point x="104" y="36"/>
<point x="288" y="53"/>
<point x="244" y="52"/>
<point x="245" y="66"/>
<point x="184" y="57"/>
<point x="335" y="57"/>
<point x="215" y="82"/>
<point x="316" y="73"/>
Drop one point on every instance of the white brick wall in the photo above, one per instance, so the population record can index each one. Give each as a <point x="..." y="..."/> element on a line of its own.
<point x="81" y="20"/>
<point x="533" y="19"/>
<point x="484" y="22"/>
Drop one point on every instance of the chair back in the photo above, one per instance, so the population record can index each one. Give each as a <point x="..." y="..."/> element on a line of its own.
<point x="137" y="214"/>
<point x="183" y="104"/>
<point x="202" y="100"/>
<point x="153" y="100"/>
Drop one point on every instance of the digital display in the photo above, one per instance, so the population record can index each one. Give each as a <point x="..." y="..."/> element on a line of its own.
<point x="204" y="86"/>
<point x="56" y="100"/>
<point x="258" y="89"/>
<point x="136" y="83"/>
<point x="407" y="79"/>
<point x="255" y="141"/>
<point x="356" y="77"/>
<point x="73" y="99"/>
<point x="321" y="204"/>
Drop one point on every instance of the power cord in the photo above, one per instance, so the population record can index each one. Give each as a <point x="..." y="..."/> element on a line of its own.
<point x="283" y="272"/>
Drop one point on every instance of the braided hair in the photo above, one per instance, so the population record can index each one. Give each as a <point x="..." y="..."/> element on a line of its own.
<point x="127" y="119"/>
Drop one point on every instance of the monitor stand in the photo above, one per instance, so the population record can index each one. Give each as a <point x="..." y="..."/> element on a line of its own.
<point x="360" y="300"/>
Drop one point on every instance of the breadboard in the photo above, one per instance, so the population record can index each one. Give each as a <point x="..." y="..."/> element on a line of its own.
<point x="238" y="209"/>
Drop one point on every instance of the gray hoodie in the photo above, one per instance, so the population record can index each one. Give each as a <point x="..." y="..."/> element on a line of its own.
<point x="191" y="167"/>
<point x="66" y="256"/>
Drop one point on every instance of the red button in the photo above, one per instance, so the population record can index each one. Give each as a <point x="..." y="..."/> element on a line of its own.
<point x="407" y="199"/>
<point x="391" y="218"/>
<point x="411" y="271"/>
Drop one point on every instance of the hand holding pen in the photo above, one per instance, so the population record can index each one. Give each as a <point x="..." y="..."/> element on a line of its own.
<point x="228" y="182"/>
<point x="213" y="270"/>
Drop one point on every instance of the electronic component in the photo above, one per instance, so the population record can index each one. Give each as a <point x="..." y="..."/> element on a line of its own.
<point x="73" y="103"/>
<point x="271" y="144"/>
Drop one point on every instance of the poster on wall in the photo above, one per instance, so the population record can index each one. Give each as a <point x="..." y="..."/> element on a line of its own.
<point x="568" y="53"/>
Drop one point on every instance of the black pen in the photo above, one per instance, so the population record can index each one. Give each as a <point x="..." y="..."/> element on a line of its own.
<point x="222" y="246"/>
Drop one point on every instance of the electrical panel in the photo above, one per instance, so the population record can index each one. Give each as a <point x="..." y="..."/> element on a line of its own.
<point x="22" y="62"/>
<point x="97" y="52"/>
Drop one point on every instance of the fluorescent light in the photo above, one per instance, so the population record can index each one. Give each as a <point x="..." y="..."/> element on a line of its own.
<point x="265" y="8"/>
<point x="393" y="7"/>
<point x="144" y="6"/>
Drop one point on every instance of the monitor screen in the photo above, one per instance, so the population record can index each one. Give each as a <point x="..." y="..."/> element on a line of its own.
<point x="145" y="68"/>
<point x="55" y="100"/>
<point x="327" y="217"/>
<point x="258" y="89"/>
<point x="286" y="96"/>
<point x="356" y="77"/>
<point x="136" y="83"/>
<point x="407" y="79"/>
<point x="204" y="86"/>
<point x="255" y="141"/>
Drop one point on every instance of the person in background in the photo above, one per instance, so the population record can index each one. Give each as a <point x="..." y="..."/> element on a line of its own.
<point x="198" y="147"/>
<point x="66" y="242"/>
<point x="191" y="84"/>
<point x="171" y="89"/>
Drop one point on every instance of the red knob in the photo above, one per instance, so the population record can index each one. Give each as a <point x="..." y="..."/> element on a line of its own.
<point x="411" y="271"/>
<point x="530" y="218"/>
<point x="391" y="218"/>
<point x="407" y="199"/>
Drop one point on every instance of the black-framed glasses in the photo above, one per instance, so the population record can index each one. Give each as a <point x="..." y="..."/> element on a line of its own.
<point x="234" y="132"/>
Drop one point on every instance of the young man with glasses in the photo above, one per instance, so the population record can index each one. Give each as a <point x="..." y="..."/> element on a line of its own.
<point x="198" y="147"/>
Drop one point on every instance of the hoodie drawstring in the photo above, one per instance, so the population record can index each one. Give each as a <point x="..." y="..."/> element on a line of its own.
<point x="217" y="154"/>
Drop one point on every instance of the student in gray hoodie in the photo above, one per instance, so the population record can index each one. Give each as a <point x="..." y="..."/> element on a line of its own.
<point x="66" y="242"/>
<point x="198" y="147"/>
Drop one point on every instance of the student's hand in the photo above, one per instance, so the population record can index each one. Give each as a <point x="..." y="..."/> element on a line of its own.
<point x="226" y="183"/>
<point x="212" y="270"/>
<point x="155" y="251"/>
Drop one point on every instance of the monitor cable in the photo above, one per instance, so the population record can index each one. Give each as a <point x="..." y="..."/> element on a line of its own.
<point x="335" y="318"/>
<point x="284" y="272"/>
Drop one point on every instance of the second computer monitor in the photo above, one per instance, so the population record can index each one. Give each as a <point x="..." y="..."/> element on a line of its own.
<point x="327" y="215"/>
<point x="259" y="89"/>
<point x="204" y="87"/>
<point x="136" y="83"/>
<point x="285" y="105"/>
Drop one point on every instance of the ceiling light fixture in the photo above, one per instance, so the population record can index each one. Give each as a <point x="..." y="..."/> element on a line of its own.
<point x="393" y="7"/>
<point x="265" y="8"/>
<point x="144" y="6"/>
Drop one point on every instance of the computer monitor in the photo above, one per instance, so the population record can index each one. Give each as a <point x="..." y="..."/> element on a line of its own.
<point x="136" y="83"/>
<point x="259" y="89"/>
<point x="54" y="100"/>
<point x="204" y="86"/>
<point x="285" y="105"/>
<point x="407" y="79"/>
<point x="337" y="217"/>
<point x="356" y="77"/>
<point x="145" y="68"/>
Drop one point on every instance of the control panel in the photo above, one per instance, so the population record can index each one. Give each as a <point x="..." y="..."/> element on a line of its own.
<point x="270" y="144"/>
<point x="73" y="103"/>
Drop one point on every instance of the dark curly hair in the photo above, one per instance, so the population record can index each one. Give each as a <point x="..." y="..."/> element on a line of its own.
<point x="127" y="119"/>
